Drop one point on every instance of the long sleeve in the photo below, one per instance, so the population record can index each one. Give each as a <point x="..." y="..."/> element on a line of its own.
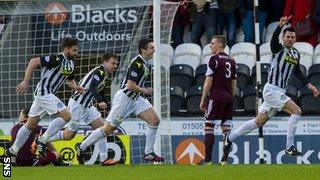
<point x="95" y="93"/>
<point x="274" y="44"/>
<point x="300" y="75"/>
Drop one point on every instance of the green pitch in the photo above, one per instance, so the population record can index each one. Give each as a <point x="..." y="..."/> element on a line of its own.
<point x="127" y="172"/>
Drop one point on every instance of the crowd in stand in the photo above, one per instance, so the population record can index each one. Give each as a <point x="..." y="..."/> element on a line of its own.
<point x="228" y="16"/>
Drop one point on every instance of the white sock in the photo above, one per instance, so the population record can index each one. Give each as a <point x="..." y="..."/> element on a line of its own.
<point x="92" y="138"/>
<point x="102" y="144"/>
<point x="56" y="137"/>
<point x="56" y="125"/>
<point x="245" y="128"/>
<point x="150" y="139"/>
<point x="292" y="126"/>
<point x="22" y="136"/>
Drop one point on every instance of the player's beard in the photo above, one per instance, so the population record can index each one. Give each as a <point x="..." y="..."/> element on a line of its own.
<point x="69" y="56"/>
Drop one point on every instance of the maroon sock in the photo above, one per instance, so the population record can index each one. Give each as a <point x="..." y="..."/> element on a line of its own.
<point x="208" y="142"/>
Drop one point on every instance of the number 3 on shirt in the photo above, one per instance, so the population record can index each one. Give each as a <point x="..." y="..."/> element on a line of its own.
<point x="228" y="70"/>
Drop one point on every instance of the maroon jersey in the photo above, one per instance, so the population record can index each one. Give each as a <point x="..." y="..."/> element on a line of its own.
<point x="25" y="155"/>
<point x="223" y="70"/>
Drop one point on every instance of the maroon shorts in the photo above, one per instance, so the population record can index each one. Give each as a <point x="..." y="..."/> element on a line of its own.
<point x="218" y="110"/>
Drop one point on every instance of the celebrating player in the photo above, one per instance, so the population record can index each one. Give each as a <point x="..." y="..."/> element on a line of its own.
<point x="81" y="105"/>
<point x="55" y="70"/>
<point x="128" y="100"/>
<point x="284" y="64"/>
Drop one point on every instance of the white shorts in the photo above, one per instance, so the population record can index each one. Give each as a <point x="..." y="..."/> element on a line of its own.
<point x="122" y="106"/>
<point x="80" y="114"/>
<point x="274" y="99"/>
<point x="48" y="103"/>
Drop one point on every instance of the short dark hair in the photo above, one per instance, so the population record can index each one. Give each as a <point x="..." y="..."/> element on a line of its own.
<point x="68" y="42"/>
<point x="143" y="44"/>
<point x="25" y="111"/>
<point x="221" y="39"/>
<point x="107" y="56"/>
<point x="290" y="29"/>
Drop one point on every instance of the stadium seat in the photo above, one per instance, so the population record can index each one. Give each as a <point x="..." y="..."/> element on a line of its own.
<point x="181" y="75"/>
<point x="166" y="55"/>
<point x="316" y="55"/>
<point x="309" y="104"/>
<point x="200" y="74"/>
<point x="292" y="92"/>
<point x="206" y="53"/>
<point x="244" y="53"/>
<point x="227" y="50"/>
<point x="176" y="99"/>
<point x="265" y="53"/>
<point x="265" y="68"/>
<point x="306" y="52"/>
<point x="314" y="74"/>
<point x="243" y="75"/>
<point x="239" y="36"/>
<point x="188" y="53"/>
<point x="270" y="29"/>
<point x="192" y="100"/>
<point x="295" y="81"/>
<point x="249" y="99"/>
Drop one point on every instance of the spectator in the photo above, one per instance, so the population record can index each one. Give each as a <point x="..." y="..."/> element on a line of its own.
<point x="317" y="16"/>
<point x="181" y="20"/>
<point x="205" y="19"/>
<point x="276" y="7"/>
<point x="227" y="19"/>
<point x="300" y="10"/>
<point x="248" y="19"/>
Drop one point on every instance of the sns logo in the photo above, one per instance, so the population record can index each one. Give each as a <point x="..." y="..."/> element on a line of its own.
<point x="6" y="168"/>
<point x="190" y="151"/>
<point x="56" y="13"/>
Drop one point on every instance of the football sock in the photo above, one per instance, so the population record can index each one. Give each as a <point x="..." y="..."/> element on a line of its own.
<point x="245" y="128"/>
<point x="102" y="145"/>
<point x="150" y="139"/>
<point x="92" y="138"/>
<point x="208" y="139"/>
<point x="292" y="127"/>
<point x="22" y="136"/>
<point x="56" y="137"/>
<point x="56" y="125"/>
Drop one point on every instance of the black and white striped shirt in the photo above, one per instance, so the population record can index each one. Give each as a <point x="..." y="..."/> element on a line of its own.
<point x="138" y="71"/>
<point x="284" y="64"/>
<point x="94" y="82"/>
<point x="54" y="72"/>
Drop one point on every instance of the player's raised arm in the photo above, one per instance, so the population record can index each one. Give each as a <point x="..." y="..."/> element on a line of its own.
<point x="274" y="44"/>
<point x="24" y="85"/>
